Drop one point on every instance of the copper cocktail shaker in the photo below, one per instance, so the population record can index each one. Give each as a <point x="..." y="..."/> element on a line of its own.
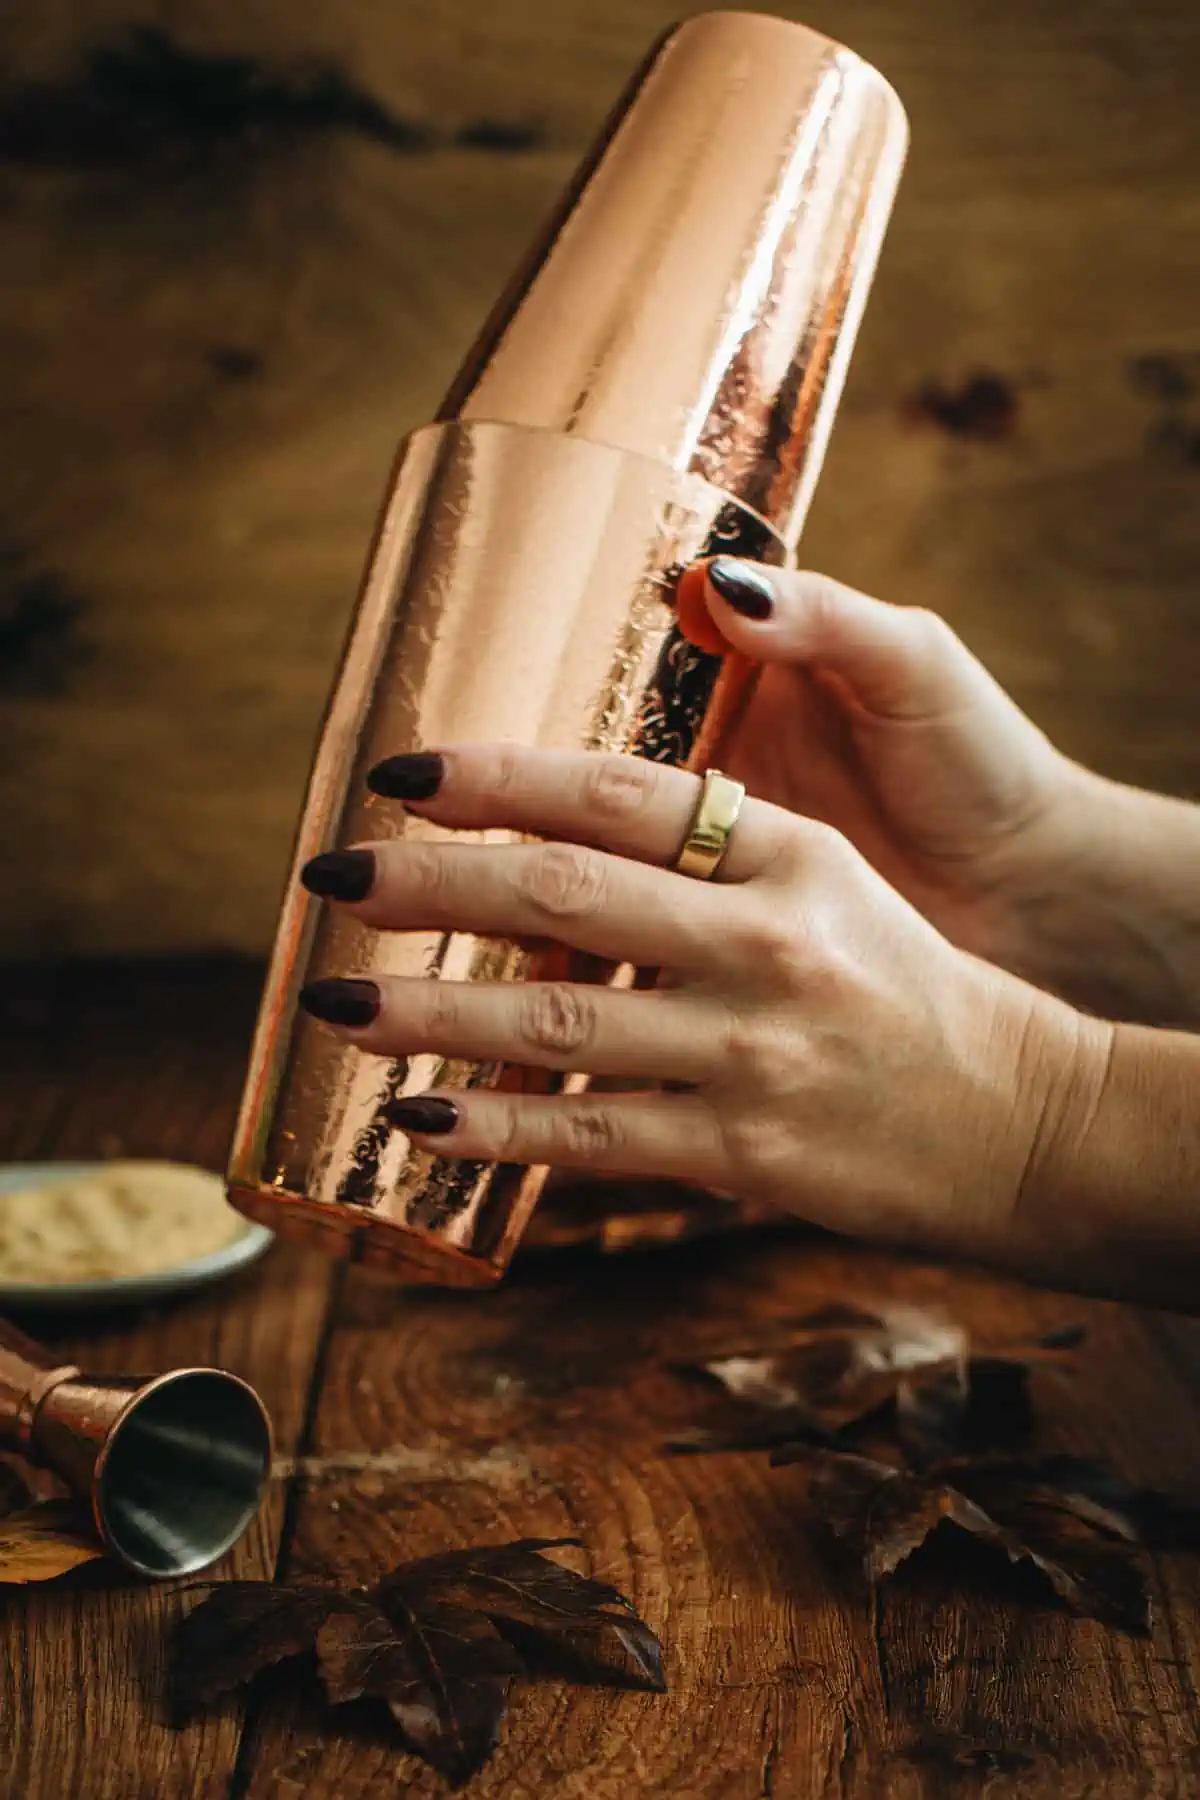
<point x="173" y="1466"/>
<point x="657" y="384"/>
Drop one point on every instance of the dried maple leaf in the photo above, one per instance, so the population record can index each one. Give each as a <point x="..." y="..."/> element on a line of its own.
<point x="41" y="1542"/>
<point x="836" y="1374"/>
<point x="549" y="1612"/>
<point x="439" y="1640"/>
<point x="444" y="1671"/>
<point x="819" y="1374"/>
<point x="1140" y="1515"/>
<point x="1064" y="1517"/>
<point x="978" y="1405"/>
<point x="241" y="1629"/>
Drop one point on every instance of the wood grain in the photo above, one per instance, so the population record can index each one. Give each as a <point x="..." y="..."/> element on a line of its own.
<point x="443" y="1419"/>
<point x="140" y="1062"/>
<point x="543" y="1407"/>
<point x="211" y="358"/>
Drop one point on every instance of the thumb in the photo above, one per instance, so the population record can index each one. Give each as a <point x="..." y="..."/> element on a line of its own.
<point x="899" y="662"/>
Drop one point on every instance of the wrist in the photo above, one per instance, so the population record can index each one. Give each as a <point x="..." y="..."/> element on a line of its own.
<point x="1040" y="1071"/>
<point x="1065" y="1065"/>
<point x="1105" y="912"/>
<point x="1109" y="1199"/>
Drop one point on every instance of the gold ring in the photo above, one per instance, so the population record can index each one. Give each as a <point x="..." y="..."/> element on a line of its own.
<point x="712" y="826"/>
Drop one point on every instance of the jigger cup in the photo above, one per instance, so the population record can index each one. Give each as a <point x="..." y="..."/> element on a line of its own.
<point x="173" y="1466"/>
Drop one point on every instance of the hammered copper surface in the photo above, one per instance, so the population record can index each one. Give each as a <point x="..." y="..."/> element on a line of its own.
<point x="658" y="384"/>
<point x="698" y="303"/>
<point x="558" y="556"/>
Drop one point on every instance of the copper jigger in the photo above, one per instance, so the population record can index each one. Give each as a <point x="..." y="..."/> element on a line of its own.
<point x="172" y="1465"/>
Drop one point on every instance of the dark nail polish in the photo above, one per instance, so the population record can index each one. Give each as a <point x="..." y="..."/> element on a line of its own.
<point x="424" y="1113"/>
<point x="415" y="776"/>
<point x="341" y="1002"/>
<point x="744" y="587"/>
<point x="340" y="874"/>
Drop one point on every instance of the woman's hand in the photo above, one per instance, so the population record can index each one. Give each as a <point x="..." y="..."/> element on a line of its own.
<point x="837" y="1056"/>
<point x="878" y="720"/>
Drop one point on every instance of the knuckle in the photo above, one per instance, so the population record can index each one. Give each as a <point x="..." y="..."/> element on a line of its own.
<point x="820" y="596"/>
<point x="823" y="943"/>
<point x="757" y="1145"/>
<point x="557" y="1017"/>
<point x="564" y="880"/>
<point x="426" y="871"/>
<point x="619" y="787"/>
<point x="799" y="955"/>
<point x="507" y="763"/>
<point x="832" y="982"/>
<point x="830" y="850"/>
<point x="933" y="637"/>
<point x="749" y="1050"/>
<point x="767" y="935"/>
<point x="589" y="1132"/>
<point x="740" y="1135"/>
<point x="808" y="848"/>
<point x="504" y="1131"/>
<point x="442" y="1011"/>
<point x="789" y="856"/>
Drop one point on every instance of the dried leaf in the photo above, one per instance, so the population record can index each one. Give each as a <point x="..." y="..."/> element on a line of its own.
<point x="841" y="1375"/>
<point x="242" y="1628"/>
<point x="1053" y="1515"/>
<point x="439" y="1640"/>
<point x="41" y="1542"/>
<point x="982" y="1406"/>
<point x="840" y="1361"/>
<point x="1087" y="1552"/>
<point x="970" y="1409"/>
<point x="822" y="1374"/>
<point x="904" y="1423"/>
<point x="543" y="1608"/>
<point x="444" y="1671"/>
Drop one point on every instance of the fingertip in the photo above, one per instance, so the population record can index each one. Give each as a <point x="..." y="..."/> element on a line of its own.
<point x="414" y="775"/>
<point x="745" y="588"/>
<point x="425" y="1115"/>
<point x="347" y="1002"/>
<point x="719" y="598"/>
<point x="345" y="875"/>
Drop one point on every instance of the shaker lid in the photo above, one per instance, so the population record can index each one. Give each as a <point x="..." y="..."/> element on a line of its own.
<point x="696" y="297"/>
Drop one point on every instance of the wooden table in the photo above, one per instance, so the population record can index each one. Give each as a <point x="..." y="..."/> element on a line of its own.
<point x="409" y="1422"/>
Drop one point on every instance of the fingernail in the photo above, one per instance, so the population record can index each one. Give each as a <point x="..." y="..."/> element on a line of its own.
<point x="341" y="1002"/>
<point x="745" y="588"/>
<point x="340" y="874"/>
<point x="424" y="1113"/>
<point x="414" y="776"/>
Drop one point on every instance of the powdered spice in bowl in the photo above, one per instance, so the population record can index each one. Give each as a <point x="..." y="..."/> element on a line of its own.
<point x="100" y="1233"/>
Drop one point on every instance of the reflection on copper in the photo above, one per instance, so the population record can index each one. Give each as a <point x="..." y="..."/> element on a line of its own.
<point x="657" y="384"/>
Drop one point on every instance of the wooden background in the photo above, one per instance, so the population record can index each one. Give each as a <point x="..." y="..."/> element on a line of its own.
<point x="243" y="247"/>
